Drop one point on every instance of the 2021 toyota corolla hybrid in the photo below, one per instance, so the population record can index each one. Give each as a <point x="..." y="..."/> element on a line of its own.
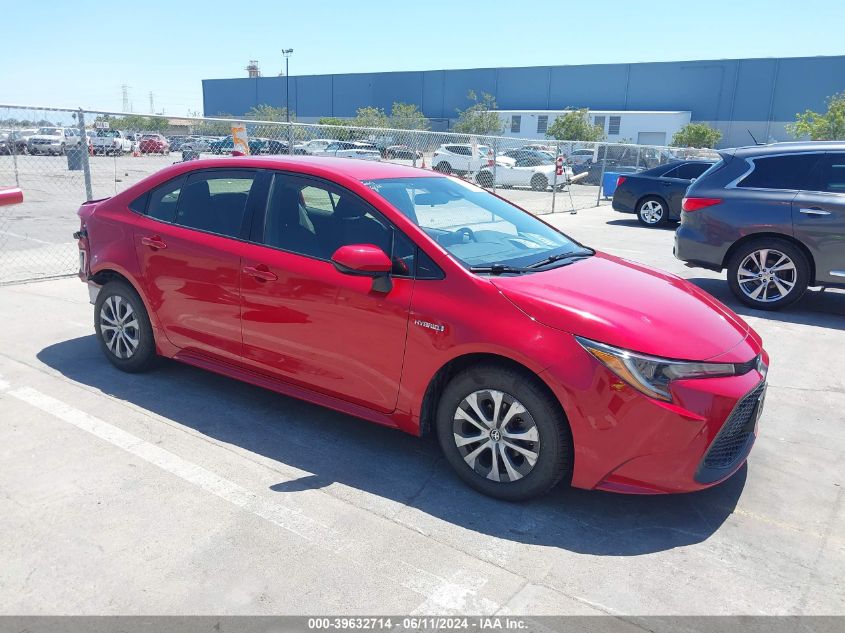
<point x="424" y="303"/>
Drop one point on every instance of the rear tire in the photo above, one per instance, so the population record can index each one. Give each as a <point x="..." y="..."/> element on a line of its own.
<point x="499" y="463"/>
<point x="123" y="328"/>
<point x="539" y="182"/>
<point x="768" y="273"/>
<point x="485" y="179"/>
<point x="652" y="211"/>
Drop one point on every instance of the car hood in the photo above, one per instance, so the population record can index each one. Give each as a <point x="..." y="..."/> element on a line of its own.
<point x="622" y="303"/>
<point x="45" y="137"/>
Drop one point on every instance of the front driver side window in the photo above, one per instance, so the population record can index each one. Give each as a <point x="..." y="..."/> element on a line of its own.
<point x="312" y="218"/>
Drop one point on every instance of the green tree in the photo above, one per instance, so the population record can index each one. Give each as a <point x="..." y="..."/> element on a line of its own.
<point x="406" y="116"/>
<point x="829" y="126"/>
<point x="575" y="126"/>
<point x="479" y="118"/>
<point x="696" y="135"/>
<point x="266" y="112"/>
<point x="370" y="117"/>
<point x="136" y="122"/>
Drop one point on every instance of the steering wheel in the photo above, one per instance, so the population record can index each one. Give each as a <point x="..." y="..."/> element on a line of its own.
<point x="466" y="234"/>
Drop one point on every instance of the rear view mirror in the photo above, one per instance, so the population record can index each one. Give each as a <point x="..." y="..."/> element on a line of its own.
<point x="365" y="260"/>
<point x="361" y="259"/>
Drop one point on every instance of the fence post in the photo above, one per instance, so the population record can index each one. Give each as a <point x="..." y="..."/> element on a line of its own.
<point x="554" y="182"/>
<point x="601" y="178"/>
<point x="14" y="150"/>
<point x="495" y="161"/>
<point x="83" y="146"/>
<point x="414" y="146"/>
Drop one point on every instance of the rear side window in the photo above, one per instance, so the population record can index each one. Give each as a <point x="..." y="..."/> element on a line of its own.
<point x="792" y="171"/>
<point x="689" y="171"/>
<point x="833" y="173"/>
<point x="163" y="199"/>
<point x="215" y="201"/>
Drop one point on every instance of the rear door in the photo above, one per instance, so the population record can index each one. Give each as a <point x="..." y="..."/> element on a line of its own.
<point x="818" y="217"/>
<point x="189" y="246"/>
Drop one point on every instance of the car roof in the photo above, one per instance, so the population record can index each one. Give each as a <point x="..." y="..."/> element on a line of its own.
<point x="789" y="147"/>
<point x="324" y="166"/>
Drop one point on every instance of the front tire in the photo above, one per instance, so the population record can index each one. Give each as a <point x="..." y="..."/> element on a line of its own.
<point x="123" y="328"/>
<point x="768" y="273"/>
<point x="443" y="167"/>
<point x="503" y="434"/>
<point x="652" y="211"/>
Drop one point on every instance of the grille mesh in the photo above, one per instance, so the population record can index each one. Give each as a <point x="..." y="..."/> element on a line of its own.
<point x="733" y="436"/>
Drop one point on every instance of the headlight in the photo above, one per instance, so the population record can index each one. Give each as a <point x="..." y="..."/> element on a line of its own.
<point x="651" y="375"/>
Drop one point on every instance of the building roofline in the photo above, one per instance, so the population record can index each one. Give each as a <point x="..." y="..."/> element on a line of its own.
<point x="550" y="66"/>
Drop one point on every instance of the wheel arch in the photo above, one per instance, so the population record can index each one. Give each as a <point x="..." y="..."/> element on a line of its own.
<point x="752" y="237"/>
<point x="444" y="374"/>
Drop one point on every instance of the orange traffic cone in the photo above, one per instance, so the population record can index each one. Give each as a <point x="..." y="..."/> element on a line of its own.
<point x="423" y="162"/>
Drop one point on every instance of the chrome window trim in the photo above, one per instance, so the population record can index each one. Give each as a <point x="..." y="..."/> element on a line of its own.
<point x="750" y="161"/>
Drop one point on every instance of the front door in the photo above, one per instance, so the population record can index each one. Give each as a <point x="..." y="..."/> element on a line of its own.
<point x="308" y="323"/>
<point x="818" y="218"/>
<point x="189" y="249"/>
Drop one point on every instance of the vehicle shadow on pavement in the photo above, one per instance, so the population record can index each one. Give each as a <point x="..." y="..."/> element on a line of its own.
<point x="668" y="226"/>
<point x="816" y="308"/>
<point x="341" y="451"/>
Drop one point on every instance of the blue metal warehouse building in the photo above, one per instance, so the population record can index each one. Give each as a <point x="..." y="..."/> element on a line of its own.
<point x="735" y="95"/>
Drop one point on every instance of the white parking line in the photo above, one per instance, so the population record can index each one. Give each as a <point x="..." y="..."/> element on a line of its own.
<point x="26" y="237"/>
<point x="457" y="594"/>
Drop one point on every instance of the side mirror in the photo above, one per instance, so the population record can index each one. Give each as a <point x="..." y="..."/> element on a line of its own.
<point x="365" y="260"/>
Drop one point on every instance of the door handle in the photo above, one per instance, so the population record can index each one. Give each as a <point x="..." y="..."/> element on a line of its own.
<point x="814" y="211"/>
<point x="261" y="272"/>
<point x="154" y="242"/>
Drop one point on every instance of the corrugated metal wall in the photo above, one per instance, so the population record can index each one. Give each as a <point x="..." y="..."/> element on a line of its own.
<point x="721" y="91"/>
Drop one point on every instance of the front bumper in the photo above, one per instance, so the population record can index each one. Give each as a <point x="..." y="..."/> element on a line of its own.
<point x="627" y="442"/>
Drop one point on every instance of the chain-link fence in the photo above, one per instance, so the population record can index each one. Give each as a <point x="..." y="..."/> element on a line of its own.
<point x="61" y="157"/>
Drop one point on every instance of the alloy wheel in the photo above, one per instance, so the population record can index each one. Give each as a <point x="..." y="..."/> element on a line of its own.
<point x="119" y="326"/>
<point x="651" y="212"/>
<point x="766" y="275"/>
<point x="496" y="435"/>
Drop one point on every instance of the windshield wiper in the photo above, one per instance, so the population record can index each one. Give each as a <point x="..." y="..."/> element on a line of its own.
<point x="498" y="269"/>
<point x="556" y="258"/>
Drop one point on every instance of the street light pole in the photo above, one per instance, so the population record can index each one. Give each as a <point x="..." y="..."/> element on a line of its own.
<point x="287" y="52"/>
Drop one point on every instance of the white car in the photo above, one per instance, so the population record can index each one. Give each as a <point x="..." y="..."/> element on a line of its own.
<point x="523" y="173"/>
<point x="53" y="140"/>
<point x="582" y="157"/>
<point x="111" y="142"/>
<point x="316" y="146"/>
<point x="458" y="158"/>
<point x="349" y="149"/>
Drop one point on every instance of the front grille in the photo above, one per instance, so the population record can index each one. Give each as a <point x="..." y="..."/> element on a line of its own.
<point x="733" y="437"/>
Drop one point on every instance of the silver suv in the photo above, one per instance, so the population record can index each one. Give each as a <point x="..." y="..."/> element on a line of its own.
<point x="773" y="216"/>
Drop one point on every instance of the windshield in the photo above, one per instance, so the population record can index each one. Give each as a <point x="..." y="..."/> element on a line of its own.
<point x="474" y="226"/>
<point x="50" y="131"/>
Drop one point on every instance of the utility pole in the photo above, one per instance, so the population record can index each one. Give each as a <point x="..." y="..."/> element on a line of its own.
<point x="152" y="103"/>
<point x="125" y="90"/>
<point x="287" y="52"/>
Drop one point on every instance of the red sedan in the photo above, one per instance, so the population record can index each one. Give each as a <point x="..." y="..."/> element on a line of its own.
<point x="424" y="303"/>
<point x="153" y="144"/>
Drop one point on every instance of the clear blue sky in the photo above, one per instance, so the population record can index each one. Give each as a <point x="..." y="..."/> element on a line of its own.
<point x="169" y="47"/>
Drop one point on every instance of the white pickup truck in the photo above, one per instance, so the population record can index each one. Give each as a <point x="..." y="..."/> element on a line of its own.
<point x="111" y="142"/>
